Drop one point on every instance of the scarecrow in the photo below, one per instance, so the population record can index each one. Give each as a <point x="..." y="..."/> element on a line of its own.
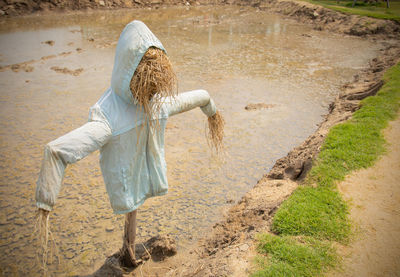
<point x="127" y="124"/>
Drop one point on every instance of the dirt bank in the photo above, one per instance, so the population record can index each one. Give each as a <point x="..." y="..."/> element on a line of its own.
<point x="374" y="194"/>
<point x="23" y="7"/>
<point x="326" y="19"/>
<point x="321" y="18"/>
<point x="298" y="162"/>
<point x="229" y="248"/>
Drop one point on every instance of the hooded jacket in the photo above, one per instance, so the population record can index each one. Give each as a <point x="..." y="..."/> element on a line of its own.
<point x="132" y="155"/>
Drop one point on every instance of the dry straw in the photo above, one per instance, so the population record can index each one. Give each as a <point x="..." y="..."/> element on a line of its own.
<point x="153" y="80"/>
<point x="215" y="134"/>
<point x="154" y="75"/>
<point x="48" y="248"/>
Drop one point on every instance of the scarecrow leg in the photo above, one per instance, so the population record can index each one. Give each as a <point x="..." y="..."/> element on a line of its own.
<point x="128" y="248"/>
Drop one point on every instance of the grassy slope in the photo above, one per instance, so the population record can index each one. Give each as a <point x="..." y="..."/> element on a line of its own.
<point x="376" y="10"/>
<point x="315" y="215"/>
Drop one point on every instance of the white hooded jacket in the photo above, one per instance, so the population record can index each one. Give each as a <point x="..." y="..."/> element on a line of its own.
<point x="132" y="155"/>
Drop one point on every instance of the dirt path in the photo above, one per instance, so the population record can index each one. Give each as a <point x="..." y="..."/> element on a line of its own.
<point x="375" y="209"/>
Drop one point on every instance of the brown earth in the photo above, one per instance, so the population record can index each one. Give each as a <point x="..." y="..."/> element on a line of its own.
<point x="321" y="18"/>
<point x="28" y="66"/>
<point x="375" y="210"/>
<point x="298" y="162"/>
<point x="228" y="250"/>
<point x="258" y="106"/>
<point x="326" y="19"/>
<point x="65" y="70"/>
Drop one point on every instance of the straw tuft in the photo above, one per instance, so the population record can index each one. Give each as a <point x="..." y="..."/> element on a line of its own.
<point x="45" y="236"/>
<point x="153" y="80"/>
<point x="215" y="133"/>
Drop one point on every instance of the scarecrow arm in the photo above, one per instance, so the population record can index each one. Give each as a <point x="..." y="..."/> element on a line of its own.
<point x="192" y="99"/>
<point x="65" y="150"/>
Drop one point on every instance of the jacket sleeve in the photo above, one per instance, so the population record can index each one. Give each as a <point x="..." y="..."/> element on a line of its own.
<point x="65" y="150"/>
<point x="189" y="100"/>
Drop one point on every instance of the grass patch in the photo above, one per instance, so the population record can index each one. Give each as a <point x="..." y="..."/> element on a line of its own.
<point x="376" y="10"/>
<point x="359" y="142"/>
<point x="289" y="256"/>
<point x="318" y="212"/>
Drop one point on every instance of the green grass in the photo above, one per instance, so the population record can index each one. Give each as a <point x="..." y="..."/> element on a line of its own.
<point x="316" y="211"/>
<point x="376" y="10"/>
<point x="359" y="142"/>
<point x="294" y="256"/>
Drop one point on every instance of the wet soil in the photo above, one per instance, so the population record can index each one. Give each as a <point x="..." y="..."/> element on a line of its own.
<point x="298" y="162"/>
<point x="65" y="70"/>
<point x="228" y="249"/>
<point x="258" y="106"/>
<point x="297" y="73"/>
<point x="321" y="18"/>
<point x="222" y="253"/>
<point x="326" y="19"/>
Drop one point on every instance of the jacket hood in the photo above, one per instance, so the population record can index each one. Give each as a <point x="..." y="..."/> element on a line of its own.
<point x="133" y="43"/>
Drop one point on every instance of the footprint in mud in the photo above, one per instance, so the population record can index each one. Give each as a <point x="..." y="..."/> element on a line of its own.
<point x="65" y="70"/>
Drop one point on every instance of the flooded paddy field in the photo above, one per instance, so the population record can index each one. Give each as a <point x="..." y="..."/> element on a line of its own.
<point x="54" y="67"/>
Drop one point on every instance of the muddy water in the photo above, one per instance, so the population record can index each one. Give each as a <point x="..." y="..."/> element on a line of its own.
<point x="239" y="55"/>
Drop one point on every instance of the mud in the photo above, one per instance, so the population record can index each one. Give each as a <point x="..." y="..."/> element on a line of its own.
<point x="217" y="46"/>
<point x="49" y="42"/>
<point x="321" y="18"/>
<point x="325" y="19"/>
<point x="254" y="212"/>
<point x="28" y="65"/>
<point x="15" y="8"/>
<point x="65" y="70"/>
<point x="229" y="247"/>
<point x="224" y="252"/>
<point x="229" y="250"/>
<point x="298" y="161"/>
<point x="258" y="106"/>
<point x="157" y="249"/>
<point x="25" y="66"/>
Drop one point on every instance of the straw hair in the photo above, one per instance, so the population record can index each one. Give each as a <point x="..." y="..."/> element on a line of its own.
<point x="48" y="247"/>
<point x="215" y="134"/>
<point x="153" y="80"/>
